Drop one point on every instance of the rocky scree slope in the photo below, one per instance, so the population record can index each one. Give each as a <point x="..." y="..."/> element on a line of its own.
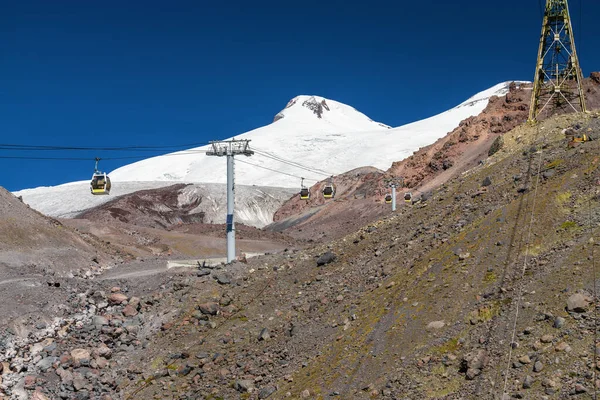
<point x="29" y="238"/>
<point x="158" y="208"/>
<point x="158" y="203"/>
<point x="420" y="304"/>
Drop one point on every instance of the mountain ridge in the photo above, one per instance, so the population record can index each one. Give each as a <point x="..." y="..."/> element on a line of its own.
<point x="354" y="141"/>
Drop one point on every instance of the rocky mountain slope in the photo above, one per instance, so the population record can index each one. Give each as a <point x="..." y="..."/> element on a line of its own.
<point x="29" y="238"/>
<point x="159" y="201"/>
<point x="35" y="253"/>
<point x="460" y="150"/>
<point x="421" y="304"/>
<point x="183" y="204"/>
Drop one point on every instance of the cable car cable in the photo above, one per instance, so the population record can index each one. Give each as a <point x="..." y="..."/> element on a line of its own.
<point x="279" y="158"/>
<point x="274" y="170"/>
<point x="592" y="258"/>
<point x="293" y="164"/>
<point x="523" y="271"/>
<point x="140" y="157"/>
<point x="296" y="165"/>
<point x="6" y="146"/>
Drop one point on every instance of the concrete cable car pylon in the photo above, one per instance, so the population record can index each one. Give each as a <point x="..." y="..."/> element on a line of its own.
<point x="558" y="79"/>
<point x="229" y="149"/>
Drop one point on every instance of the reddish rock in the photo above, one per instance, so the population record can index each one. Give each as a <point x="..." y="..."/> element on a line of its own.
<point x="167" y="325"/>
<point x="65" y="359"/>
<point x="210" y="308"/>
<point x="117" y="298"/>
<point x="80" y="356"/>
<point x="101" y="362"/>
<point x="37" y="395"/>
<point x="29" y="382"/>
<point x="102" y="351"/>
<point x="129" y="311"/>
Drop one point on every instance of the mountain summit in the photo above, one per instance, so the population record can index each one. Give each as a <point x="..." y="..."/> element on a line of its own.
<point x="312" y="137"/>
<point x="307" y="107"/>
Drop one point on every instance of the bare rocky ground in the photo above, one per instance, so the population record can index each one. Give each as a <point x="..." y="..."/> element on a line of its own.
<point x="417" y="305"/>
<point x="181" y="241"/>
<point x="56" y="279"/>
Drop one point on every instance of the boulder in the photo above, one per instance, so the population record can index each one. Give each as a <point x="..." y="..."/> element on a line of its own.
<point x="326" y="258"/>
<point x="436" y="325"/>
<point x="129" y="311"/>
<point x="117" y="298"/>
<point x="80" y="356"/>
<point x="266" y="392"/>
<point x="264" y="335"/>
<point x="244" y="385"/>
<point x="209" y="308"/>
<point x="578" y="303"/>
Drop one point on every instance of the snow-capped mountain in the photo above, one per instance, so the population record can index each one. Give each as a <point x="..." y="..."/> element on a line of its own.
<point x="325" y="136"/>
<point x="311" y="137"/>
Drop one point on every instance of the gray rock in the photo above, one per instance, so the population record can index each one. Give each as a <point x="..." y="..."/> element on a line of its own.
<point x="50" y="348"/>
<point x="82" y="395"/>
<point x="548" y="174"/>
<point x="578" y="303"/>
<point x="538" y="366"/>
<point x="46" y="363"/>
<point x="476" y="360"/>
<point x="266" y="392"/>
<point x="326" y="258"/>
<point x="472" y="373"/>
<point x="528" y="382"/>
<point x="264" y="334"/>
<point x="223" y="278"/>
<point x="210" y="308"/>
<point x="99" y="321"/>
<point x="79" y="382"/>
<point x="436" y="325"/>
<point x="244" y="385"/>
<point x="200" y="316"/>
<point x="559" y="322"/>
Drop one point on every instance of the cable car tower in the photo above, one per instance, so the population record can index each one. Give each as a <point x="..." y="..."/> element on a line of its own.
<point x="229" y="149"/>
<point x="558" y="79"/>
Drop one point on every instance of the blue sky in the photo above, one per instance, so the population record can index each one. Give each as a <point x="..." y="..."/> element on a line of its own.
<point x="155" y="73"/>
